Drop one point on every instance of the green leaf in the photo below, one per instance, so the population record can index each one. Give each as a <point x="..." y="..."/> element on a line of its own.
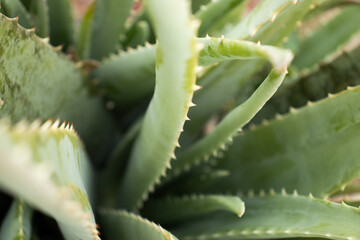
<point x="128" y="226"/>
<point x="212" y="12"/>
<point x="331" y="77"/>
<point x="229" y="126"/>
<point x="61" y="23"/>
<point x="175" y="84"/>
<point x="128" y="77"/>
<point x="40" y="15"/>
<point x="15" y="8"/>
<point x="107" y="25"/>
<point x="320" y="154"/>
<point x="17" y="223"/>
<point x="84" y="36"/>
<point x="319" y="45"/>
<point x="38" y="82"/>
<point x="221" y="83"/>
<point x="47" y="167"/>
<point x="219" y="49"/>
<point x="174" y="209"/>
<point x="215" y="50"/>
<point x="279" y="216"/>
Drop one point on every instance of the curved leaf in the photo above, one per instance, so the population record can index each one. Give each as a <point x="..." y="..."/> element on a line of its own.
<point x="279" y="216"/>
<point x="320" y="154"/>
<point x="174" y="209"/>
<point x="319" y="45"/>
<point x="47" y="167"/>
<point x="128" y="226"/>
<point x="61" y="23"/>
<point x="15" y="8"/>
<point x="165" y="117"/>
<point x="214" y="11"/>
<point x="107" y="24"/>
<point x="237" y="118"/>
<point x="17" y="224"/>
<point x="38" y="82"/>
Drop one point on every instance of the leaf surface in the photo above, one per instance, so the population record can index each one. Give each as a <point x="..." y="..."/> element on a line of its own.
<point x="128" y="226"/>
<point x="17" y="223"/>
<point x="47" y="167"/>
<point x="166" y="114"/>
<point x="38" y="82"/>
<point x="319" y="157"/>
<point x="279" y="216"/>
<point x="107" y="25"/>
<point x="173" y="209"/>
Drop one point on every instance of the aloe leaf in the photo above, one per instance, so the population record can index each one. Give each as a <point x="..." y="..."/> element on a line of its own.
<point x="323" y="135"/>
<point x="122" y="74"/>
<point x="47" y="167"/>
<point x="196" y="4"/>
<point x="229" y="126"/>
<point x="15" y="8"/>
<point x="215" y="50"/>
<point x="141" y="34"/>
<point x="232" y="123"/>
<point x="17" y="223"/>
<point x="128" y="226"/>
<point x="264" y="12"/>
<point x="61" y="23"/>
<point x="331" y="77"/>
<point x="116" y="164"/>
<point x="51" y="86"/>
<point x="175" y="84"/>
<point x="173" y="209"/>
<point x="107" y="25"/>
<point x="221" y="83"/>
<point x="319" y="44"/>
<point x="84" y="36"/>
<point x="212" y="12"/>
<point x="129" y="76"/>
<point x="279" y="216"/>
<point x="40" y="15"/>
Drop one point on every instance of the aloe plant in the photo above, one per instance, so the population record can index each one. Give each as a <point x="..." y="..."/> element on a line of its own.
<point x="179" y="119"/>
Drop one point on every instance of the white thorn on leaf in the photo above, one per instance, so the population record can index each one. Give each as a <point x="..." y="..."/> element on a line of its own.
<point x="55" y="125"/>
<point x="273" y="17"/>
<point x="197" y="87"/>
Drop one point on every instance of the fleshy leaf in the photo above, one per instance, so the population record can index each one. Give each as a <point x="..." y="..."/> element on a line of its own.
<point x="107" y="25"/>
<point x="166" y="114"/>
<point x="129" y="76"/>
<point x="174" y="209"/>
<point x="279" y="216"/>
<point x="128" y="226"/>
<point x="212" y="12"/>
<point x="84" y="36"/>
<point x="17" y="223"/>
<point x="237" y="118"/>
<point x="39" y="11"/>
<point x="215" y="50"/>
<point x="221" y="83"/>
<point x="331" y="77"/>
<point x="61" y="23"/>
<point x="38" y="82"/>
<point x="319" y="45"/>
<point x="320" y="155"/>
<point x="47" y="167"/>
<point x="15" y="8"/>
<point x="229" y="126"/>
